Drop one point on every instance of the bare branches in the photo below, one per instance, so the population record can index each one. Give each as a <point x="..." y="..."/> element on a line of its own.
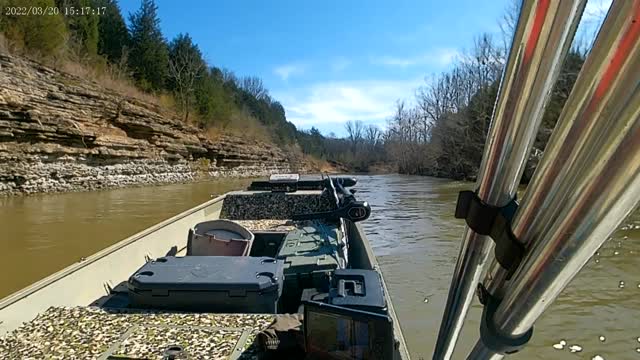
<point x="185" y="67"/>
<point x="444" y="132"/>
<point x="229" y="77"/>
<point x="373" y="136"/>
<point x="355" y="130"/>
<point x="508" y="22"/>
<point x="254" y="86"/>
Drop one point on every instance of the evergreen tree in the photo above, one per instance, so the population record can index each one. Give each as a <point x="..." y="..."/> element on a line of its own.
<point x="113" y="37"/>
<point x="212" y="101"/>
<point x="45" y="35"/>
<point x="312" y="142"/>
<point x="185" y="67"/>
<point x="149" y="58"/>
<point x="83" y="28"/>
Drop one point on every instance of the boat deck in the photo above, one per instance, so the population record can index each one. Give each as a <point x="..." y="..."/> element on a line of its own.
<point x="108" y="331"/>
<point x="54" y="325"/>
<point x="95" y="333"/>
<point x="273" y="225"/>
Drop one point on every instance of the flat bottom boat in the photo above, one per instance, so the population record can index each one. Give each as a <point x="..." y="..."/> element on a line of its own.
<point x="280" y="270"/>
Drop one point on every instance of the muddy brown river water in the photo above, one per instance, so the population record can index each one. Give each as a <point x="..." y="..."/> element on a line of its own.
<point x="412" y="231"/>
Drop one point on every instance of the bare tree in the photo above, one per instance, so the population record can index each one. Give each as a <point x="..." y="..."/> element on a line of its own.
<point x="508" y="22"/>
<point x="228" y="76"/>
<point x="373" y="136"/>
<point x="444" y="132"/>
<point x="355" y="130"/>
<point x="185" y="66"/>
<point x="254" y="86"/>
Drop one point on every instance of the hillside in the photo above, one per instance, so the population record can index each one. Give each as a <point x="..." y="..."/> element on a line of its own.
<point x="60" y="132"/>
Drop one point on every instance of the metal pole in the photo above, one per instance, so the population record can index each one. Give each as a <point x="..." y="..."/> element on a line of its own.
<point x="541" y="41"/>
<point x="550" y="179"/>
<point x="589" y="179"/>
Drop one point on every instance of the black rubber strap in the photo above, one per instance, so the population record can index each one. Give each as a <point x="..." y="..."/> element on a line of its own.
<point x="495" y="222"/>
<point x="491" y="337"/>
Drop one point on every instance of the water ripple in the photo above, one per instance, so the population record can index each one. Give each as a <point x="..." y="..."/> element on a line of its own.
<point x="417" y="240"/>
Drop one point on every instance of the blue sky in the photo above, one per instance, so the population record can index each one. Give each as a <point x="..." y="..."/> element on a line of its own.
<point x="331" y="61"/>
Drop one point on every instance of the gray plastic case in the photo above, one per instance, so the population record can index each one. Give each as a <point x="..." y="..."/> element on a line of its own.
<point x="310" y="254"/>
<point x="220" y="284"/>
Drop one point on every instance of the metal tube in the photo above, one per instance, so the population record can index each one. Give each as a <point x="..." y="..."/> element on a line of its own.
<point x="550" y="179"/>
<point x="594" y="212"/>
<point x="541" y="41"/>
<point x="594" y="165"/>
<point x="479" y="351"/>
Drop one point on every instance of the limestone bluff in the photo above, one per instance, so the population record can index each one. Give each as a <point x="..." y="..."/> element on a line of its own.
<point x="60" y="132"/>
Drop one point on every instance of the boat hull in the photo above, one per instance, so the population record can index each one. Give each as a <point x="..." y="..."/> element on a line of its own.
<point x="80" y="284"/>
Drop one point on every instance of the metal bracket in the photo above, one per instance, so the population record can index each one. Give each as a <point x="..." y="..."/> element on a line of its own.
<point x="490" y="336"/>
<point x="495" y="222"/>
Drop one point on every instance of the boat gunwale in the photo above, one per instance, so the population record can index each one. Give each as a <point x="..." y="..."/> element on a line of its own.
<point x="25" y="292"/>
<point x="402" y="349"/>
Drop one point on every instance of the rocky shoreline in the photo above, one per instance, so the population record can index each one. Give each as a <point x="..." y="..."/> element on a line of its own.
<point x="59" y="132"/>
<point x="72" y="174"/>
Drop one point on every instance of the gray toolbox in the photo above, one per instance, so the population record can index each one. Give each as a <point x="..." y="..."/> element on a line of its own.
<point x="311" y="253"/>
<point x="222" y="284"/>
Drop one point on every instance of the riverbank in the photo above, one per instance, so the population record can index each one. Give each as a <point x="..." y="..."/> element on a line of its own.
<point x="529" y="169"/>
<point x="60" y="132"/>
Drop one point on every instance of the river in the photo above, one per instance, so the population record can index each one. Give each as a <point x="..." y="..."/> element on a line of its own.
<point x="412" y="231"/>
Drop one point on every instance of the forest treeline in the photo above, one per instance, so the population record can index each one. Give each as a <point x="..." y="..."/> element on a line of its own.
<point x="441" y="132"/>
<point x="173" y="71"/>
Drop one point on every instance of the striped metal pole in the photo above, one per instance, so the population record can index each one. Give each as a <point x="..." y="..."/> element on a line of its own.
<point x="540" y="43"/>
<point x="588" y="180"/>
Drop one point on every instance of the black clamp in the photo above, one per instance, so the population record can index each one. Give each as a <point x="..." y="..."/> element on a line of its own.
<point x="494" y="222"/>
<point x="490" y="336"/>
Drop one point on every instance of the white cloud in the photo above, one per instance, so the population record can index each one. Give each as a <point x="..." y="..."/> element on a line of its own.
<point x="339" y="102"/>
<point x="285" y="71"/>
<point x="440" y="57"/>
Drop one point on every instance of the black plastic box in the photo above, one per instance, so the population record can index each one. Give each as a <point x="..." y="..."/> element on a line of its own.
<point x="358" y="289"/>
<point x="336" y="332"/>
<point x="221" y="284"/>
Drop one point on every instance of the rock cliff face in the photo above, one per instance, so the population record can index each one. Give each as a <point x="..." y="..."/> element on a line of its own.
<point x="59" y="132"/>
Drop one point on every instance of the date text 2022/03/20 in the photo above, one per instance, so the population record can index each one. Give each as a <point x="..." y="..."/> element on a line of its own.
<point x="53" y="10"/>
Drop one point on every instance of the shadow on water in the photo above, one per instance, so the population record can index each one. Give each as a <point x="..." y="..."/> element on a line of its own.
<point x="416" y="239"/>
